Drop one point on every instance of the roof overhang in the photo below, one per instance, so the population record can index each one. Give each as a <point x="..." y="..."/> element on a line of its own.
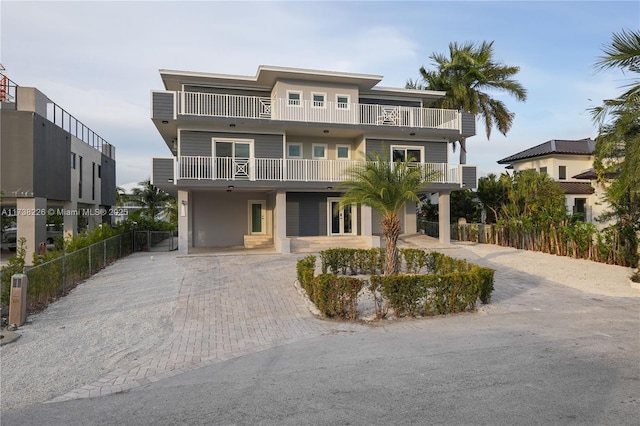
<point x="266" y="77"/>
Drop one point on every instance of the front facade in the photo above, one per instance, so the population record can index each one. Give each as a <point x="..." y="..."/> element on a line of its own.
<point x="256" y="160"/>
<point x="570" y="163"/>
<point x="51" y="165"/>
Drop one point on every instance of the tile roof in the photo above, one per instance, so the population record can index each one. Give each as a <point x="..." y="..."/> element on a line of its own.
<point x="554" y="146"/>
<point x="577" y="188"/>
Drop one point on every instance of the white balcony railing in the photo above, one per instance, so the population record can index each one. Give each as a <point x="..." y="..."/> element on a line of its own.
<point x="290" y="170"/>
<point x="236" y="106"/>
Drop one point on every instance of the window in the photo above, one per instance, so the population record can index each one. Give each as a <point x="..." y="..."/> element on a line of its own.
<point x="99" y="171"/>
<point x="295" y="98"/>
<point x="407" y="153"/>
<point x="562" y="172"/>
<point x="80" y="177"/>
<point x="342" y="101"/>
<point x="319" y="151"/>
<point x="294" y="150"/>
<point x="543" y="170"/>
<point x="73" y="160"/>
<point x="93" y="181"/>
<point x="318" y="100"/>
<point x="343" y="152"/>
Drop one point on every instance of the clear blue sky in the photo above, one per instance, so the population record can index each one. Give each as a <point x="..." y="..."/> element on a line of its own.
<point x="100" y="60"/>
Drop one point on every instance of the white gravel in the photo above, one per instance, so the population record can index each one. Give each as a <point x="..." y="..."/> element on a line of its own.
<point x="112" y="318"/>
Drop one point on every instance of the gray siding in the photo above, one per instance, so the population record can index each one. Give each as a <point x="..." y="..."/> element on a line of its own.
<point x="162" y="169"/>
<point x="434" y="152"/>
<point x="307" y="213"/>
<point x="163" y="105"/>
<point x="199" y="143"/>
<point x="51" y="161"/>
<point x="469" y="176"/>
<point x="468" y="124"/>
<point x="108" y="181"/>
<point x="392" y="102"/>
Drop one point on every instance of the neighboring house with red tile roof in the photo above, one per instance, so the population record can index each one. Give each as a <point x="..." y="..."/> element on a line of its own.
<point x="570" y="162"/>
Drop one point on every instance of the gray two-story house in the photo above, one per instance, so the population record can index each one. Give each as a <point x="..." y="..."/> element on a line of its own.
<point x="256" y="160"/>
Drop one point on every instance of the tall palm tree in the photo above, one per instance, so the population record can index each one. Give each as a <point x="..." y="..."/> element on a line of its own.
<point x="465" y="75"/>
<point x="154" y="200"/>
<point x="385" y="187"/>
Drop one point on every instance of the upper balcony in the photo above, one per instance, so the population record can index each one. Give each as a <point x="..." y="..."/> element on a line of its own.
<point x="171" y="104"/>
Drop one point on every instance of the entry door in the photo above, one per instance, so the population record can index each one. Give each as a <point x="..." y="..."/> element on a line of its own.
<point x="341" y="221"/>
<point x="257" y="214"/>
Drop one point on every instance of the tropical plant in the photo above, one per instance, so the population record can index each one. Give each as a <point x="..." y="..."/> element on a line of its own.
<point x="384" y="186"/>
<point x="154" y="201"/>
<point x="617" y="153"/>
<point x="493" y="194"/>
<point x="467" y="75"/>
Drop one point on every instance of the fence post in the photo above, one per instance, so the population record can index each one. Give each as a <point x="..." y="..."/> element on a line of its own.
<point x="89" y="260"/>
<point x="64" y="271"/>
<point x="148" y="240"/>
<point x="104" y="246"/>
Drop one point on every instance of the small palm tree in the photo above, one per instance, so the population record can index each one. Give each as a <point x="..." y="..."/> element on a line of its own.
<point x="385" y="187"/>
<point x="466" y="75"/>
<point x="154" y="200"/>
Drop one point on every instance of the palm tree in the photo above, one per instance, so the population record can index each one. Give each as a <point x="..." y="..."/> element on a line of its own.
<point x="154" y="200"/>
<point x="385" y="187"/>
<point x="465" y="75"/>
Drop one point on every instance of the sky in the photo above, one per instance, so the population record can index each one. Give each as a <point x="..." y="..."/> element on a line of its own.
<point x="101" y="60"/>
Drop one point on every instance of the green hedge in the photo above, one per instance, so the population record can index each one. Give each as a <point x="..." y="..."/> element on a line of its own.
<point x="433" y="284"/>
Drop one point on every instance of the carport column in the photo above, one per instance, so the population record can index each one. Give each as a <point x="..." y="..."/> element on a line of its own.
<point x="32" y="224"/>
<point x="366" y="226"/>
<point x="410" y="218"/>
<point x="70" y="219"/>
<point x="184" y="213"/>
<point x="281" y="242"/>
<point x="444" y="217"/>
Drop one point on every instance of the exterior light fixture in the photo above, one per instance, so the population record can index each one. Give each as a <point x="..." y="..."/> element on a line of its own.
<point x="165" y="122"/>
<point x="325" y="131"/>
<point x="412" y="134"/>
<point x="232" y="125"/>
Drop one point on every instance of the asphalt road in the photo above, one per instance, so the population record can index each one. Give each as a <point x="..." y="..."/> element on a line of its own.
<point x="532" y="365"/>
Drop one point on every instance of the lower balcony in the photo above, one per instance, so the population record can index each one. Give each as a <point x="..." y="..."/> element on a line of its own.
<point x="200" y="168"/>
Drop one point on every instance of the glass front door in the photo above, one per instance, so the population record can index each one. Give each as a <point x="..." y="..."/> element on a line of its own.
<point x="341" y="221"/>
<point x="257" y="217"/>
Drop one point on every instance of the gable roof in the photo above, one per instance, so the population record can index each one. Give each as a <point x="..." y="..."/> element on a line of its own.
<point x="554" y="146"/>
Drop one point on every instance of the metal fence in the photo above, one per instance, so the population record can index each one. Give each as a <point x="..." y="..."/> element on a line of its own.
<point x="155" y="241"/>
<point x="55" y="278"/>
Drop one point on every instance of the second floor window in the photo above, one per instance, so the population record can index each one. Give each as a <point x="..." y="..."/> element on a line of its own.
<point x="318" y="100"/>
<point x="405" y="153"/>
<point x="342" y="101"/>
<point x="562" y="172"/>
<point x="295" y="98"/>
<point x="294" y="150"/>
<point x="543" y="170"/>
<point x="319" y="151"/>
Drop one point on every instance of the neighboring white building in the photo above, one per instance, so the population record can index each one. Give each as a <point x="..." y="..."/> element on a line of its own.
<point x="570" y="162"/>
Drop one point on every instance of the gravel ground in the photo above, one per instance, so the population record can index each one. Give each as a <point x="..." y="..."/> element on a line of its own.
<point x="114" y="317"/>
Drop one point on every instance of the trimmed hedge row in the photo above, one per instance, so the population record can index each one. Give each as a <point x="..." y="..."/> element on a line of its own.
<point x="333" y="295"/>
<point x="448" y="286"/>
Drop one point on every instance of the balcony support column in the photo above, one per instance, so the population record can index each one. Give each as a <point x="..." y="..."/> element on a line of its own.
<point x="184" y="224"/>
<point x="366" y="227"/>
<point x="444" y="217"/>
<point x="70" y="219"/>
<point x="32" y="224"/>
<point x="281" y="242"/>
